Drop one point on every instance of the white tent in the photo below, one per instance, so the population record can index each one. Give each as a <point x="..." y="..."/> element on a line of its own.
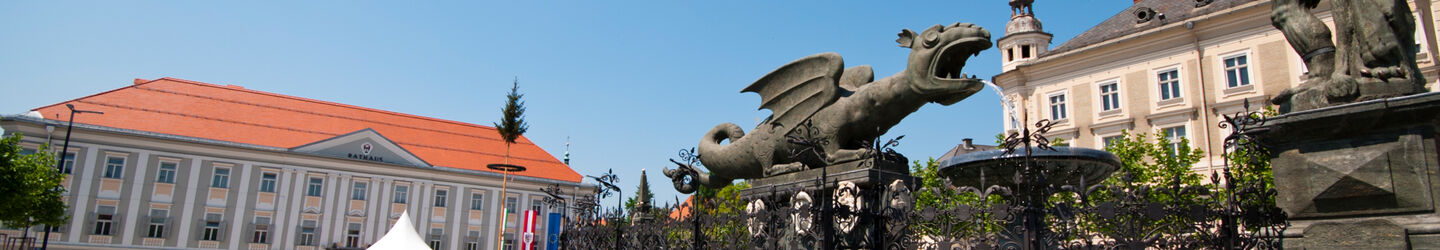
<point x="402" y="236"/>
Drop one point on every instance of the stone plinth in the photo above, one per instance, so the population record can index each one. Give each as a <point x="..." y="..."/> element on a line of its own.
<point x="1363" y="166"/>
<point x="867" y="174"/>
<point x="853" y="188"/>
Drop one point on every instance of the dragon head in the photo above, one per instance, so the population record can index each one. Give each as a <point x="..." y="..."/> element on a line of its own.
<point x="937" y="57"/>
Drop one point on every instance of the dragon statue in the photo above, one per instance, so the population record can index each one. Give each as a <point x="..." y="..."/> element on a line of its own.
<point x="1372" y="56"/>
<point x="847" y="107"/>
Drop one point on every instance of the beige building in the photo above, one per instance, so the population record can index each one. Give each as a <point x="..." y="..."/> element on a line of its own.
<point x="1161" y="66"/>
<point x="178" y="164"/>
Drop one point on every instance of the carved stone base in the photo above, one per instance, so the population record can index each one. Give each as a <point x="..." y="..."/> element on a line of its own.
<point x="1372" y="160"/>
<point x="853" y="189"/>
<point x="1323" y="92"/>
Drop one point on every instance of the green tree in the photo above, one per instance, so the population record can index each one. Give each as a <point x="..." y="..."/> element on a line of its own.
<point x="1153" y="163"/>
<point x="1151" y="172"/>
<point x="30" y="191"/>
<point x="512" y="122"/>
<point x="511" y="126"/>
<point x="937" y="193"/>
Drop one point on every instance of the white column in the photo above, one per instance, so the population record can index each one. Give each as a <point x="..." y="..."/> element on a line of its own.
<point x="454" y="219"/>
<point x="327" y="209"/>
<point x="422" y="219"/>
<point x="188" y="207"/>
<point x="282" y="198"/>
<point x="372" y="211"/>
<point x="342" y="206"/>
<point x="136" y="185"/>
<point x="238" y="217"/>
<point x="82" y="197"/>
<point x="382" y="210"/>
<point x="416" y="191"/>
<point x="301" y="178"/>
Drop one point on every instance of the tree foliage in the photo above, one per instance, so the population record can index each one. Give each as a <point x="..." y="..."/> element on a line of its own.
<point x="1153" y="163"/>
<point x="30" y="190"/>
<point x="512" y="122"/>
<point x="936" y="192"/>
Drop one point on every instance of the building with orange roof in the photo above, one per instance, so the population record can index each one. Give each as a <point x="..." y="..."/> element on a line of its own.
<point x="175" y="163"/>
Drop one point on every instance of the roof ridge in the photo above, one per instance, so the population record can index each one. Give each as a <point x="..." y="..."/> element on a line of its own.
<point x="332" y="135"/>
<point x="94" y="95"/>
<point x="324" y="102"/>
<point x="312" y="113"/>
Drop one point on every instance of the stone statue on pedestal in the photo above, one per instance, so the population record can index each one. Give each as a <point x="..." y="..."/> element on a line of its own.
<point x="842" y="106"/>
<point x="1372" y="56"/>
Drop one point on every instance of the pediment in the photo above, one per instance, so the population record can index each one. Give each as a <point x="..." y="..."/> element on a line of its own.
<point x="363" y="145"/>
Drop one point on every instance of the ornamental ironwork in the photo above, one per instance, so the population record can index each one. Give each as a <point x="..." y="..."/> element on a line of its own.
<point x="1030" y="213"/>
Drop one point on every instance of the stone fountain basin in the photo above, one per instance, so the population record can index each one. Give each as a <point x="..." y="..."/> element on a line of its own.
<point x="1063" y="166"/>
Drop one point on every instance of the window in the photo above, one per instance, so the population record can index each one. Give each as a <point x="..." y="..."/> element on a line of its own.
<point x="27" y="151"/>
<point x="510" y="204"/>
<point x="509" y="242"/>
<point x="1057" y="107"/>
<point x="435" y="235"/>
<point x="167" y="173"/>
<point x="157" y="223"/>
<point x="69" y="163"/>
<point x="352" y="235"/>
<point x="1176" y="135"/>
<point x="1024" y="51"/>
<point x="1109" y="96"/>
<point x="1169" y="84"/>
<point x="104" y="218"/>
<point x="477" y="202"/>
<point x="221" y="179"/>
<point x="440" y="198"/>
<point x="262" y="230"/>
<point x="474" y="241"/>
<point x="1010" y="56"/>
<point x="1237" y="71"/>
<point x="401" y="194"/>
<point x="1108" y="140"/>
<point x="114" y="167"/>
<point x="315" y="186"/>
<point x="267" y="182"/>
<point x="535" y="206"/>
<point x="358" y="193"/>
<point x="307" y="233"/>
<point x="212" y="228"/>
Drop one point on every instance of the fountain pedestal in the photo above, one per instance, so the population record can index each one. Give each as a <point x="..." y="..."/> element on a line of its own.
<point x="1368" y="166"/>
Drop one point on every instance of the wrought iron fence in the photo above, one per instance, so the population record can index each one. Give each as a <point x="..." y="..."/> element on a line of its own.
<point x="1033" y="214"/>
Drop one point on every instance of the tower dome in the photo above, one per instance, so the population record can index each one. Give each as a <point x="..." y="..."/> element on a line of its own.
<point x="1022" y="24"/>
<point x="1025" y="39"/>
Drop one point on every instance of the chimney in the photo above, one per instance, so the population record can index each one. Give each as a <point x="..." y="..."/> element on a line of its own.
<point x="969" y="143"/>
<point x="138" y="81"/>
<point x="1138" y="1"/>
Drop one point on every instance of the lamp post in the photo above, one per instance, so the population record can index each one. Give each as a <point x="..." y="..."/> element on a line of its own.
<point x="60" y="165"/>
<point x="608" y="181"/>
<point x="505" y="170"/>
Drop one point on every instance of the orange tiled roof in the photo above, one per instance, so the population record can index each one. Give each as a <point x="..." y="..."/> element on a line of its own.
<point x="682" y="211"/>
<point x="235" y="114"/>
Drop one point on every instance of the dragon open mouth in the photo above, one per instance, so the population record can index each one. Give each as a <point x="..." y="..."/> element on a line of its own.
<point x="951" y="60"/>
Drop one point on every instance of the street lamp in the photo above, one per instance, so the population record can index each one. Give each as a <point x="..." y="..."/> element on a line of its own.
<point x="60" y="164"/>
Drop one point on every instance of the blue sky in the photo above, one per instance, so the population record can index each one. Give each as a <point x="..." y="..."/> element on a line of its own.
<point x="629" y="82"/>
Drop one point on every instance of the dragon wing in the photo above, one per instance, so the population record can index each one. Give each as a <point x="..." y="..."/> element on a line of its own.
<point x="797" y="90"/>
<point x="857" y="76"/>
